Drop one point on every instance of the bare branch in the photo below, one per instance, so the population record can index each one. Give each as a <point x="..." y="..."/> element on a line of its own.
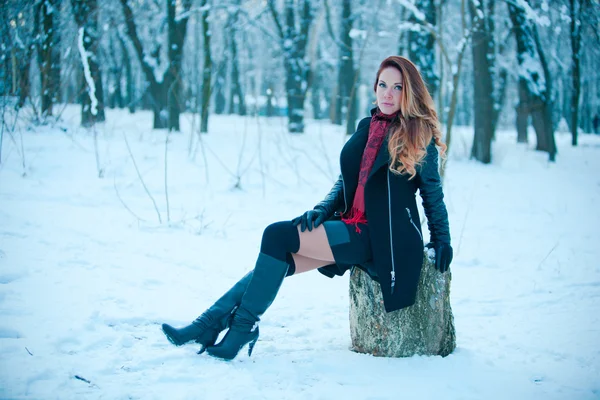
<point x="273" y="10"/>
<point x="142" y="179"/>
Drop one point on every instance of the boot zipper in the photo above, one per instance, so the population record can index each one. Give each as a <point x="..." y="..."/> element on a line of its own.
<point x="413" y="223"/>
<point x="391" y="237"/>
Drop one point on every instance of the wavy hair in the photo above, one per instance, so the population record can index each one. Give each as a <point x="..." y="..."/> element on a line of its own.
<point x="416" y="124"/>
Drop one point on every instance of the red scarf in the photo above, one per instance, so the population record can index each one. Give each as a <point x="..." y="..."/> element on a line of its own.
<point x="378" y="128"/>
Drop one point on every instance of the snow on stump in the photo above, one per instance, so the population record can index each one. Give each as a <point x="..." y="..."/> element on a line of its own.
<point x="425" y="328"/>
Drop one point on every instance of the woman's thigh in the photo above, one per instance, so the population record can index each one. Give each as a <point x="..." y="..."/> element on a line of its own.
<point x="334" y="242"/>
<point x="314" y="244"/>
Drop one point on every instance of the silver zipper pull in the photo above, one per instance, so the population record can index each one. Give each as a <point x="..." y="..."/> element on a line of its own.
<point x="393" y="280"/>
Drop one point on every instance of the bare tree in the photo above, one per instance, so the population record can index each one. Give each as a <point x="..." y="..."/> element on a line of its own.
<point x="293" y="37"/>
<point x="18" y="40"/>
<point x="534" y="82"/>
<point x="165" y="83"/>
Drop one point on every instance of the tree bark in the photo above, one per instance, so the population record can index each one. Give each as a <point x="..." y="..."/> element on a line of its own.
<point x="483" y="56"/>
<point x="425" y="328"/>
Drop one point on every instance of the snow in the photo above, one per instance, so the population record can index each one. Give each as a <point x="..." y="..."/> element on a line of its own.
<point x="85" y="285"/>
<point x="358" y="33"/>
<point x="531" y="70"/>
<point x="532" y="15"/>
<point x="410" y="6"/>
<point x="87" y="73"/>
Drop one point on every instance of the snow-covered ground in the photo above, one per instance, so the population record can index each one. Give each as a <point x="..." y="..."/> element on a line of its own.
<point x="88" y="273"/>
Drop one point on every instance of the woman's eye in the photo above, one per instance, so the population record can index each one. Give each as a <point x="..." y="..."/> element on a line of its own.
<point x="382" y="85"/>
<point x="398" y="87"/>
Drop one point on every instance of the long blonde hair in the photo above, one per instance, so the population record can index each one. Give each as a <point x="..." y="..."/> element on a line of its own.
<point x="417" y="122"/>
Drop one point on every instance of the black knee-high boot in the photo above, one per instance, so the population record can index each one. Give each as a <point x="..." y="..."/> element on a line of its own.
<point x="206" y="328"/>
<point x="266" y="281"/>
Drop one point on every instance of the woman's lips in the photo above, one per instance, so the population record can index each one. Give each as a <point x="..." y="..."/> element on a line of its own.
<point x="388" y="104"/>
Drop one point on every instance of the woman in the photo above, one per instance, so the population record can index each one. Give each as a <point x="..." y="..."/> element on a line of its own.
<point x="369" y="219"/>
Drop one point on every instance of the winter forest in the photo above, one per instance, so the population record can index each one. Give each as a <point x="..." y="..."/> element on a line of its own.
<point x="146" y="144"/>
<point x="488" y="64"/>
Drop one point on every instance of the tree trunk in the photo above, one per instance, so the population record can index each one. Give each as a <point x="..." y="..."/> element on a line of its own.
<point x="115" y="93"/>
<point x="237" y="102"/>
<point x="346" y="65"/>
<point x="207" y="69"/>
<point x="482" y="49"/>
<point x="158" y="98"/>
<point x="425" y="328"/>
<point x="177" y="28"/>
<point x="86" y="17"/>
<point x="522" y="113"/>
<point x="534" y="80"/>
<point x="129" y="99"/>
<point x="575" y="14"/>
<point x="421" y="47"/>
<point x="347" y="81"/>
<point x="47" y="11"/>
<point x="219" y="87"/>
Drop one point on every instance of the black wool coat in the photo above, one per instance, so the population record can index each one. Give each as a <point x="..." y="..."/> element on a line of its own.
<point x="393" y="217"/>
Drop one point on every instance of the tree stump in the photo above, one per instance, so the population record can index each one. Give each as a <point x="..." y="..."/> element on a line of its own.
<point x="425" y="328"/>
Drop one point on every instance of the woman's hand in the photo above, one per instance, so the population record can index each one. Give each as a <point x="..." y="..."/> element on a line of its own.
<point x="310" y="219"/>
<point x="443" y="255"/>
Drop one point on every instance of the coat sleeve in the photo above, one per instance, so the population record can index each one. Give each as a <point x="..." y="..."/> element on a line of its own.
<point x="334" y="200"/>
<point x="430" y="188"/>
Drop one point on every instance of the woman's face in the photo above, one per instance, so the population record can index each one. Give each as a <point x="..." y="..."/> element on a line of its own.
<point x="389" y="88"/>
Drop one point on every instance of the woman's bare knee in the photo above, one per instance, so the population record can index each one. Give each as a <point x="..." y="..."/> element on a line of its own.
<point x="305" y="264"/>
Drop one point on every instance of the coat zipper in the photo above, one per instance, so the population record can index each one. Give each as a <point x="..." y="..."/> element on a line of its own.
<point x="391" y="237"/>
<point x="413" y="223"/>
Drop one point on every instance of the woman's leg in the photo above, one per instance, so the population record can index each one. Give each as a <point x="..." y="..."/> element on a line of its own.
<point x="309" y="250"/>
<point x="315" y="245"/>
<point x="305" y="264"/>
<point x="206" y="328"/>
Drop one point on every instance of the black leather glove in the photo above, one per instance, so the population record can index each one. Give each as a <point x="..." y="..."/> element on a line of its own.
<point x="324" y="210"/>
<point x="310" y="219"/>
<point x="443" y="255"/>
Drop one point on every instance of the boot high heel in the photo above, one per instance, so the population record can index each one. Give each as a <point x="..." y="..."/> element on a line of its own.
<point x="233" y="342"/>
